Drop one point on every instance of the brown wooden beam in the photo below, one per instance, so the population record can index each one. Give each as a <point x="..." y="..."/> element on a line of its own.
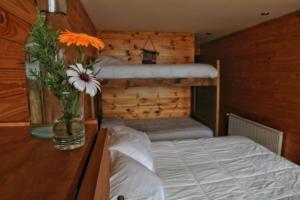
<point x="178" y="82"/>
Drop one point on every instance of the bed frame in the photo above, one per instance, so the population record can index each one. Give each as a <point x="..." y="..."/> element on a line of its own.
<point x="95" y="184"/>
<point x="210" y="109"/>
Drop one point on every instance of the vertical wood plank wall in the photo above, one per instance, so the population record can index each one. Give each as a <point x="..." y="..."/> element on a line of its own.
<point x="145" y="102"/>
<point x="16" y="19"/>
<point x="261" y="77"/>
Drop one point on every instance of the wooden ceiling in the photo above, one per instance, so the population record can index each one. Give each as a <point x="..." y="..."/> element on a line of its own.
<point x="200" y="16"/>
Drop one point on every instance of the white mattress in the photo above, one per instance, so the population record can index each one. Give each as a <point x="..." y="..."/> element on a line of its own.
<point x="226" y="168"/>
<point x="171" y="128"/>
<point x="155" y="71"/>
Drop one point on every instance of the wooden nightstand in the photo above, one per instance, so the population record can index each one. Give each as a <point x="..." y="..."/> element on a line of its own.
<point x="31" y="169"/>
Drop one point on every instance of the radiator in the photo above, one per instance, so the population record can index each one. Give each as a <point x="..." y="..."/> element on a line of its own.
<point x="264" y="135"/>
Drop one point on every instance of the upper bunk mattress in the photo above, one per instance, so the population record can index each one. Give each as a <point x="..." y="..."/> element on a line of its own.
<point x="152" y="71"/>
<point x="166" y="128"/>
<point x="230" y="167"/>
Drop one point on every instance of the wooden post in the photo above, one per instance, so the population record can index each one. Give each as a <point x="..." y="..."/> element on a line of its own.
<point x="218" y="85"/>
<point x="93" y="111"/>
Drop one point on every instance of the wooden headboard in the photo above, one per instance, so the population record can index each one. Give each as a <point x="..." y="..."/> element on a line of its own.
<point x="148" y="102"/>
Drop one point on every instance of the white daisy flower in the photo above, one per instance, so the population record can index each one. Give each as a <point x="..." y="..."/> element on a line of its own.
<point x="83" y="79"/>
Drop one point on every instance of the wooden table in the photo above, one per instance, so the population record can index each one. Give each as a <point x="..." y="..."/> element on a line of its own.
<point x="31" y="169"/>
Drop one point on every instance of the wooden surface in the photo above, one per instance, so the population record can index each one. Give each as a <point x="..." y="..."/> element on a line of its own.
<point x="261" y="77"/>
<point x="32" y="169"/>
<point x="176" y="82"/>
<point x="103" y="184"/>
<point x="146" y="102"/>
<point x="173" y="48"/>
<point x="218" y="99"/>
<point x="18" y="17"/>
<point x="95" y="183"/>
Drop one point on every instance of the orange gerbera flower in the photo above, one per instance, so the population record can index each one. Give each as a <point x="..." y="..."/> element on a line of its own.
<point x="80" y="39"/>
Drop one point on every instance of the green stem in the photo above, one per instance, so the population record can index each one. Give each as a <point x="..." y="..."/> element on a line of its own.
<point x="69" y="104"/>
<point x="81" y="54"/>
<point x="68" y="126"/>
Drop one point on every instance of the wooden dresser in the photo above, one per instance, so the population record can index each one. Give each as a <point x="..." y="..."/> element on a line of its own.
<point x="31" y="169"/>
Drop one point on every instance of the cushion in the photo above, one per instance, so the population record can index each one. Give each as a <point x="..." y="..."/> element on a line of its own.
<point x="132" y="143"/>
<point x="133" y="180"/>
<point x="125" y="130"/>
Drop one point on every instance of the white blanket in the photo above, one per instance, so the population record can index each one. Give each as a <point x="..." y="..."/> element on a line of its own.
<point x="226" y="168"/>
<point x="155" y="71"/>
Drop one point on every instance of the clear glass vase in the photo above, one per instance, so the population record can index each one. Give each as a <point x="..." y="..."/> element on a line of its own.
<point x="42" y="105"/>
<point x="68" y="128"/>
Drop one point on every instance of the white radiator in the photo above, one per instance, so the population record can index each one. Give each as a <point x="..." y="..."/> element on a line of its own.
<point x="266" y="136"/>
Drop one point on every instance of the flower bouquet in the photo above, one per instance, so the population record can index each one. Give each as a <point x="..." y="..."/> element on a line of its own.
<point x="66" y="81"/>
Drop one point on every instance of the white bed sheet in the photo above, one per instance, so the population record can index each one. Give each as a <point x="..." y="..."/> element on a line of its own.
<point x="155" y="71"/>
<point x="176" y="128"/>
<point x="231" y="168"/>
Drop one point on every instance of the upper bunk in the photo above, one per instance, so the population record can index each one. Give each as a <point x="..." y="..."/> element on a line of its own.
<point x="115" y="73"/>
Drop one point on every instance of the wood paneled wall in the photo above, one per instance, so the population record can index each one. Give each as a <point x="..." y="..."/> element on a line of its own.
<point x="173" y="48"/>
<point x="151" y="102"/>
<point x="16" y="19"/>
<point x="261" y="77"/>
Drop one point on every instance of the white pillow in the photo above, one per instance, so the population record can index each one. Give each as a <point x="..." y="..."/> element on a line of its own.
<point x="109" y="60"/>
<point x="109" y="123"/>
<point x="134" y="181"/>
<point x="125" y="130"/>
<point x="132" y="143"/>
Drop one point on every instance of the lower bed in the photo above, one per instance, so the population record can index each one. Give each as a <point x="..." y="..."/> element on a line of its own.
<point x="230" y="167"/>
<point x="166" y="128"/>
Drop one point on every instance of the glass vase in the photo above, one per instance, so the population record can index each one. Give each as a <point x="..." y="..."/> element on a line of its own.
<point x="42" y="105"/>
<point x="68" y="128"/>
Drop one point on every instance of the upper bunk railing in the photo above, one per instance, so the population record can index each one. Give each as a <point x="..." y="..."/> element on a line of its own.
<point x="179" y="75"/>
<point x="177" y="82"/>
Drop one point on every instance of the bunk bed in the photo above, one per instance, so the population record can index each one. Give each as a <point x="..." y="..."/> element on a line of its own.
<point x="232" y="167"/>
<point x="118" y="74"/>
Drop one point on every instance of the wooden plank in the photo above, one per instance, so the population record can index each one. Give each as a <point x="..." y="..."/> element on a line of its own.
<point x="218" y="96"/>
<point x="35" y="170"/>
<point x="103" y="184"/>
<point x="182" y="101"/>
<point x="13" y="94"/>
<point x="18" y="17"/>
<point x="13" y="105"/>
<point x="174" y="48"/>
<point x="13" y="29"/>
<point x="146" y="102"/>
<point x="148" y="113"/>
<point x="95" y="184"/>
<point x="79" y="19"/>
<point x="176" y="82"/>
<point x="24" y="10"/>
<point x="261" y="76"/>
<point x="14" y="124"/>
<point x="145" y="92"/>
